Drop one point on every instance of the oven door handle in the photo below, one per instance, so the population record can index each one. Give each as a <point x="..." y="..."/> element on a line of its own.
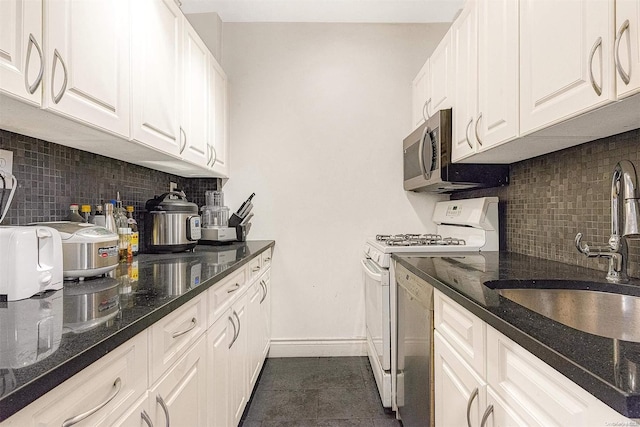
<point x="377" y="276"/>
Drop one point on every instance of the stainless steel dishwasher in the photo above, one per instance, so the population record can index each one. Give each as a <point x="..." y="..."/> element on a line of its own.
<point x="415" y="349"/>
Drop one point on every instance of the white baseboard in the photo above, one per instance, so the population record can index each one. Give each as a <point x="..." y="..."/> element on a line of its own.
<point x="317" y="347"/>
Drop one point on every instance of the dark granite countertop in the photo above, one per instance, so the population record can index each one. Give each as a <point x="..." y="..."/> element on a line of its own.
<point x="605" y="367"/>
<point x="46" y="340"/>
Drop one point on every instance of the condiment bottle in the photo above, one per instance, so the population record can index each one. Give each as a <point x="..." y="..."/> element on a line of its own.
<point x="135" y="236"/>
<point x="86" y="212"/>
<point x="74" y="216"/>
<point x="99" y="218"/>
<point x="109" y="220"/>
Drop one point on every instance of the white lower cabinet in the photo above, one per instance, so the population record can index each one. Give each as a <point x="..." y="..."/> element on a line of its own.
<point x="518" y="389"/>
<point x="190" y="368"/>
<point x="179" y="398"/>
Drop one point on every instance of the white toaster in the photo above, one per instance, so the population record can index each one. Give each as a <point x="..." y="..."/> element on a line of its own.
<point x="30" y="261"/>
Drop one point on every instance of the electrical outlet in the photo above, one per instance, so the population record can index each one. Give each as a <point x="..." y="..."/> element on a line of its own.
<point x="172" y="186"/>
<point x="6" y="164"/>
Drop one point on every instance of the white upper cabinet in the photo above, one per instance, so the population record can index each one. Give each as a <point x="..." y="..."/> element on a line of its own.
<point x="21" y="55"/>
<point x="87" y="55"/>
<point x="440" y="78"/>
<point x="420" y="96"/>
<point x="195" y="99"/>
<point x="497" y="120"/>
<point x="219" y="121"/>
<point x="465" y="48"/>
<point x="156" y="59"/>
<point x="565" y="59"/>
<point x="627" y="47"/>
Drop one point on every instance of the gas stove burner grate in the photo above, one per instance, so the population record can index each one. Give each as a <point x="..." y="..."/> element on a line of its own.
<point x="419" y="240"/>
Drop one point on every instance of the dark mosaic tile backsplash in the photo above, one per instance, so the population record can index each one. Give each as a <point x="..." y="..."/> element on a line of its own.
<point x="51" y="177"/>
<point x="553" y="197"/>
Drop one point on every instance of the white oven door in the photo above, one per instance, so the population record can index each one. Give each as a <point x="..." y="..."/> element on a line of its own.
<point x="377" y="310"/>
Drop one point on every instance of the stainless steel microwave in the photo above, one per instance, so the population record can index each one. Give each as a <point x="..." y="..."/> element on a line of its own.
<point x="428" y="166"/>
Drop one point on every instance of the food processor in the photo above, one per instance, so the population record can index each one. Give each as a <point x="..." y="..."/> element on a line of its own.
<point x="215" y="220"/>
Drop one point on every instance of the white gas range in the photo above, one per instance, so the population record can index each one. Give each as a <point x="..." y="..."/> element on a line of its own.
<point x="469" y="225"/>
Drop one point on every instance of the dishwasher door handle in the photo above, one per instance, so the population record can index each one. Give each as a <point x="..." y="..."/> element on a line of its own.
<point x="377" y="276"/>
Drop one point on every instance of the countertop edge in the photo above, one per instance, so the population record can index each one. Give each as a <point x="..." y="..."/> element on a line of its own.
<point x="623" y="403"/>
<point x="32" y="391"/>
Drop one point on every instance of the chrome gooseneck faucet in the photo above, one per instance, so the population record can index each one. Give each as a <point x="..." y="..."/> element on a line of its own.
<point x="625" y="217"/>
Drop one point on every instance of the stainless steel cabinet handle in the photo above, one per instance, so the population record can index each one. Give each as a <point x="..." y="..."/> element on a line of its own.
<point x="626" y="77"/>
<point x="254" y="269"/>
<point x="32" y="88"/>
<point x="264" y="287"/>
<point x="235" y="288"/>
<point x="184" y="144"/>
<point x="56" y="58"/>
<point x="476" y="129"/>
<point x="235" y="331"/>
<point x="473" y="395"/>
<point x="425" y="109"/>
<point x="194" y="322"/>
<point x="421" y="152"/>
<point x="146" y="418"/>
<point x="466" y="132"/>
<point x="117" y="386"/>
<point x="267" y="259"/>
<point x="214" y="157"/>
<point x="487" y="412"/>
<point x="160" y="400"/>
<point x="596" y="88"/>
<point x="238" y="319"/>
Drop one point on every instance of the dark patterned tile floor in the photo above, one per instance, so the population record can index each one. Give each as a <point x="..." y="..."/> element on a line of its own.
<point x="317" y="392"/>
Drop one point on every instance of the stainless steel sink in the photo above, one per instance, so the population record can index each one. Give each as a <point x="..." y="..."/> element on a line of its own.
<point x="586" y="306"/>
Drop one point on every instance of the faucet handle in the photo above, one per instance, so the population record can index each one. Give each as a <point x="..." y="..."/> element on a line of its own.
<point x="584" y="249"/>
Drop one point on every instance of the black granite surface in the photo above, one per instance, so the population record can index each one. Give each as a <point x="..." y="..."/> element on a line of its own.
<point x="46" y="340"/>
<point x="608" y="369"/>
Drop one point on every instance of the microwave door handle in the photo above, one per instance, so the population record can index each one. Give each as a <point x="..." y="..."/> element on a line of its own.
<point x="421" y="152"/>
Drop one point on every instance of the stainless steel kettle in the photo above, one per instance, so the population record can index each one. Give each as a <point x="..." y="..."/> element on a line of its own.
<point x="172" y="223"/>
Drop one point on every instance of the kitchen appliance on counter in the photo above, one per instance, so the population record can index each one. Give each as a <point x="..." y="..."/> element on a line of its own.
<point x="178" y="276"/>
<point x="217" y="227"/>
<point x="87" y="250"/>
<point x="90" y="304"/>
<point x="428" y="166"/>
<point x="172" y="223"/>
<point x="462" y="226"/>
<point x="31" y="263"/>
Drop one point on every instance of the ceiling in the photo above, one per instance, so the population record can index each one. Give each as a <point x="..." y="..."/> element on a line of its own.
<point x="352" y="11"/>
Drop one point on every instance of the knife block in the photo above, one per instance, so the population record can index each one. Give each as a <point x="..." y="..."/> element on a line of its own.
<point x="235" y="220"/>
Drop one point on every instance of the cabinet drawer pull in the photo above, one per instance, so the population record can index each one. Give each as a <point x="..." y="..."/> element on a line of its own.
<point x="56" y="58"/>
<point x="214" y="156"/>
<point x="487" y="412"/>
<point x="194" y="322"/>
<point x="596" y="87"/>
<point x="146" y="418"/>
<point x="160" y="400"/>
<point x="267" y="259"/>
<point x="32" y="88"/>
<point x="264" y="287"/>
<point x="238" y="319"/>
<point x="235" y="335"/>
<point x="473" y="395"/>
<point x="117" y="386"/>
<point x="626" y="77"/>
<point x="254" y="269"/>
<point x="425" y="109"/>
<point x="235" y="288"/>
<point x="466" y="133"/>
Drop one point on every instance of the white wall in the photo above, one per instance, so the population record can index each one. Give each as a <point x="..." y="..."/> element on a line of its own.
<point x="318" y="114"/>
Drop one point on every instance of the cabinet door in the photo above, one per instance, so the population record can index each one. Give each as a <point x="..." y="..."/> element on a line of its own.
<point x="265" y="314"/>
<point x="138" y="415"/>
<point x="238" y="371"/>
<point x="420" y="96"/>
<point x="87" y="56"/>
<point x="498" y="91"/>
<point x="460" y="394"/>
<point x="627" y="47"/>
<point x="254" y="359"/>
<point x="180" y="397"/>
<point x="195" y="98"/>
<point x="219" y="338"/>
<point x="156" y="55"/>
<point x="440" y="77"/>
<point x="21" y="55"/>
<point x="565" y="59"/>
<point x="465" y="48"/>
<point x="219" y="121"/>
<point x="498" y="413"/>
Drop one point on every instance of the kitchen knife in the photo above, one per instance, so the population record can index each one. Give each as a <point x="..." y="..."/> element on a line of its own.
<point x="245" y="210"/>
<point x="246" y="219"/>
